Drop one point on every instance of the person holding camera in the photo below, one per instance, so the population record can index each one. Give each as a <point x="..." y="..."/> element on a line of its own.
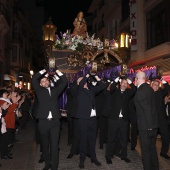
<point x="118" y="119"/>
<point x="86" y="115"/>
<point x="48" y="115"/>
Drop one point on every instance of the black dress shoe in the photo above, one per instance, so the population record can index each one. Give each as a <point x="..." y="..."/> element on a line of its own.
<point x="164" y="156"/>
<point x="81" y="165"/>
<point x="41" y="160"/>
<point x="108" y="161"/>
<point x="96" y="162"/>
<point x="126" y="160"/>
<point x="6" y="157"/>
<point x="88" y="155"/>
<point x="47" y="167"/>
<point x="70" y="156"/>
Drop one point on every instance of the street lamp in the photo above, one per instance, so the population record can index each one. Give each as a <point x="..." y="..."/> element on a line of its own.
<point x="124" y="50"/>
<point x="31" y="73"/>
<point x="49" y="30"/>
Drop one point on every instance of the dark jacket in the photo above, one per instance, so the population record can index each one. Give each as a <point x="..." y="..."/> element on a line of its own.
<point x="120" y="101"/>
<point x="160" y="102"/>
<point x="47" y="102"/>
<point x="145" y="107"/>
<point x="86" y="98"/>
<point x="71" y="105"/>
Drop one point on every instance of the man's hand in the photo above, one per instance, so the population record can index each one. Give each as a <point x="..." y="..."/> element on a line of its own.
<point x="87" y="75"/>
<point x="97" y="78"/>
<point x="117" y="79"/>
<point x="129" y="81"/>
<point x="59" y="73"/>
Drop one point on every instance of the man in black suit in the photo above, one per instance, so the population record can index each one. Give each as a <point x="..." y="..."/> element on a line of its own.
<point x="118" y="119"/>
<point x="147" y="121"/>
<point x="159" y="96"/>
<point x="72" y="109"/>
<point x="86" y="115"/>
<point x="49" y="116"/>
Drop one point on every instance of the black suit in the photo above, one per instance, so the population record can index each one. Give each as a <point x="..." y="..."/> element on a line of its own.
<point x="117" y="126"/>
<point x="105" y="109"/>
<point x="72" y="121"/>
<point x="147" y="119"/>
<point x="161" y="113"/>
<point x="49" y="128"/>
<point x="87" y="124"/>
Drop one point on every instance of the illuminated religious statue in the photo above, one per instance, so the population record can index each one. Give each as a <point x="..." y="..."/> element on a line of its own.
<point x="80" y="27"/>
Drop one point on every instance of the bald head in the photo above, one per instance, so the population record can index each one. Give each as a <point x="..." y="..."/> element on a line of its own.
<point x="140" y="78"/>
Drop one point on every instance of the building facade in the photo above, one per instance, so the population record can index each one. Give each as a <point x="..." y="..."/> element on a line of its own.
<point x="147" y="21"/>
<point x="20" y="46"/>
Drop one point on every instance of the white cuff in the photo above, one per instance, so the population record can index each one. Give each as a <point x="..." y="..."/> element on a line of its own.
<point x="42" y="71"/>
<point x="97" y="78"/>
<point x="117" y="79"/>
<point x="59" y="73"/>
<point x="46" y="75"/>
<point x="129" y="81"/>
<point x="56" y="77"/>
<point x="164" y="82"/>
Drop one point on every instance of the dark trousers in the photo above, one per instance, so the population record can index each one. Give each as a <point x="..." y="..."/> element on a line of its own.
<point x="4" y="144"/>
<point x="70" y="121"/>
<point x="49" y="134"/>
<point x="103" y="130"/>
<point x="133" y="130"/>
<point x="117" y="131"/>
<point x="148" y="148"/>
<point x="24" y="119"/>
<point x="163" y="129"/>
<point x="87" y="135"/>
<point x="75" y="141"/>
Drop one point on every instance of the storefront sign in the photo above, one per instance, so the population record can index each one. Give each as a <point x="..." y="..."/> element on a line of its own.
<point x="133" y="24"/>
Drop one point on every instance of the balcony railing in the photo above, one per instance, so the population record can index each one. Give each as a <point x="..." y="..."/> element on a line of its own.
<point x="3" y="11"/>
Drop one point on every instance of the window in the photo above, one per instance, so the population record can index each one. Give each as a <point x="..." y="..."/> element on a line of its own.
<point x="125" y="10"/>
<point x="157" y="25"/>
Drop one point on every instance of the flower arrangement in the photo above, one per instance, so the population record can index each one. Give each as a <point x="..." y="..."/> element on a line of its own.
<point x="69" y="42"/>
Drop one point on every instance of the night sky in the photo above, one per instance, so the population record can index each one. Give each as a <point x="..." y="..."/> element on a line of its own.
<point x="63" y="12"/>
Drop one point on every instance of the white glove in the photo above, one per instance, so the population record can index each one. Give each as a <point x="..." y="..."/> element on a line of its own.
<point x="129" y="81"/>
<point x="163" y="81"/>
<point x="42" y="71"/>
<point x="56" y="78"/>
<point x="148" y="82"/>
<point x="94" y="83"/>
<point x="46" y="75"/>
<point x="59" y="73"/>
<point x="117" y="79"/>
<point x="97" y="78"/>
<point x="120" y="80"/>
